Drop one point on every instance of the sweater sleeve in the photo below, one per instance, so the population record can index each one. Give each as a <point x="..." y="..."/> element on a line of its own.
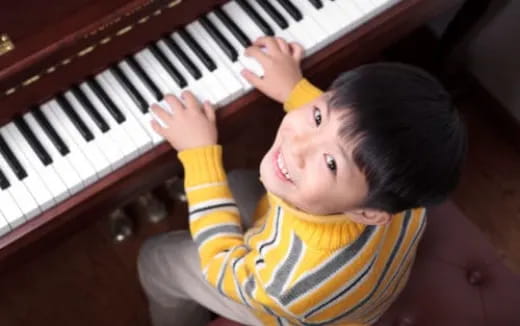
<point x="215" y="224"/>
<point x="301" y="94"/>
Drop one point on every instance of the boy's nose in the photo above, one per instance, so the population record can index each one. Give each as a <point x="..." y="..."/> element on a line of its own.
<point x="300" y="147"/>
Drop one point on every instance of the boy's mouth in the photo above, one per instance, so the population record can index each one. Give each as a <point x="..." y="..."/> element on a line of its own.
<point x="280" y="168"/>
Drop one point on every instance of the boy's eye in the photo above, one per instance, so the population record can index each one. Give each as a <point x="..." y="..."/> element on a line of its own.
<point x="331" y="163"/>
<point x="317" y="116"/>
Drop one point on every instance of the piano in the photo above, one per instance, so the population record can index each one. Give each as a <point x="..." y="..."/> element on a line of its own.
<point x="77" y="79"/>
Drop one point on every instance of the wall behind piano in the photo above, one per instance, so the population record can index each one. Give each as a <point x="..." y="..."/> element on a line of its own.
<point x="492" y="54"/>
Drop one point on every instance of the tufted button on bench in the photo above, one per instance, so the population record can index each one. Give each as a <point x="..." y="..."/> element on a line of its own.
<point x="458" y="279"/>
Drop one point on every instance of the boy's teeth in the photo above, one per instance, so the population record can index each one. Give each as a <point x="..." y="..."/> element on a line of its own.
<point x="282" y="167"/>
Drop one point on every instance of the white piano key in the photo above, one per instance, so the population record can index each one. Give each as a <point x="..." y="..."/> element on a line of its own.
<point x="352" y="14"/>
<point x="47" y="174"/>
<point x="105" y="141"/>
<point x="137" y="82"/>
<point x="143" y="118"/>
<point x="305" y="31"/>
<point x="4" y="226"/>
<point x="60" y="163"/>
<point x="223" y="74"/>
<point x="318" y="19"/>
<point x="131" y="127"/>
<point x="13" y="215"/>
<point x="213" y="84"/>
<point x="76" y="158"/>
<point x="234" y="67"/>
<point x="89" y="149"/>
<point x="157" y="73"/>
<point x="243" y="21"/>
<point x="199" y="86"/>
<point x="279" y="32"/>
<point x="117" y="138"/>
<point x="33" y="182"/>
<point x="247" y="62"/>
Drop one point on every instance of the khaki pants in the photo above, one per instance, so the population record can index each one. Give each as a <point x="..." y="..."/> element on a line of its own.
<point x="170" y="273"/>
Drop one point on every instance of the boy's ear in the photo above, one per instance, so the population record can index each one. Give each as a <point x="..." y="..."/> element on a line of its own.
<point x="370" y="216"/>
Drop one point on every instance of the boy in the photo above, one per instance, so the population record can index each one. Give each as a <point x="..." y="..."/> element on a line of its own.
<point x="347" y="178"/>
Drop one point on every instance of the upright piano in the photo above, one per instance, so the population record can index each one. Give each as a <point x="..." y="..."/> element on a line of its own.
<point x="77" y="79"/>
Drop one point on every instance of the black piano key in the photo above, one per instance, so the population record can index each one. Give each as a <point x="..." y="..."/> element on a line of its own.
<point x="217" y="36"/>
<point x="11" y="160"/>
<point x="50" y="132"/>
<point x="316" y="4"/>
<point x="130" y="89"/>
<point x="198" y="50"/>
<point x="233" y="28"/>
<point x="90" y="109"/>
<point x="74" y="118"/>
<point x="147" y="81"/>
<point x="167" y="65"/>
<point x="183" y="58"/>
<point x="4" y="183"/>
<point x="291" y="9"/>
<point x="255" y="17"/>
<point x="106" y="100"/>
<point x="273" y="13"/>
<point x="33" y="142"/>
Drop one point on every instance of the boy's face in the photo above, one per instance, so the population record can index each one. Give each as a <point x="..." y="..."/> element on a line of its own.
<point x="310" y="165"/>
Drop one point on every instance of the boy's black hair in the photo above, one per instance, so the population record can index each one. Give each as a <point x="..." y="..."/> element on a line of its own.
<point x="411" y="140"/>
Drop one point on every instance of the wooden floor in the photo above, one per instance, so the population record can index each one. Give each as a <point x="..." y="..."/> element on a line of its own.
<point x="89" y="280"/>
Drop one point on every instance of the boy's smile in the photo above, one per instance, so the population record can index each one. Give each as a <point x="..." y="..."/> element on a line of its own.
<point x="309" y="164"/>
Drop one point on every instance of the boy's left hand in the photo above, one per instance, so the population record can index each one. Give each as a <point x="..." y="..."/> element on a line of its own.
<point x="190" y="124"/>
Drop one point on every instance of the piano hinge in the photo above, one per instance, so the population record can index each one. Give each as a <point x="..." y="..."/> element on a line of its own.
<point x="5" y="44"/>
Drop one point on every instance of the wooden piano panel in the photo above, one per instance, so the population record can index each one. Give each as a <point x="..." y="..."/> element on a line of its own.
<point x="154" y="167"/>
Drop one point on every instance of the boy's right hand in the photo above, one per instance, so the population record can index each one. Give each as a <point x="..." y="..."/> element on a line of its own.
<point x="281" y="63"/>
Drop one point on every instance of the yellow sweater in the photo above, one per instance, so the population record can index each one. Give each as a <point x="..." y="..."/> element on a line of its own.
<point x="294" y="268"/>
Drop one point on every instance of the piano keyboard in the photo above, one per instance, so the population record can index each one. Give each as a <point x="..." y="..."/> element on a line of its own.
<point x="61" y="147"/>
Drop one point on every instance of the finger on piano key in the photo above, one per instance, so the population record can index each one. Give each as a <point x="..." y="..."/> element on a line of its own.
<point x="48" y="175"/>
<point x="88" y="148"/>
<point x="4" y="226"/>
<point x="241" y="19"/>
<point x="76" y="157"/>
<point x="129" y="88"/>
<point x="223" y="74"/>
<point x="33" y="181"/>
<point x="305" y="30"/>
<point x="273" y="19"/>
<point x="156" y="73"/>
<point x="61" y="164"/>
<point x="197" y="86"/>
<point x="135" y="68"/>
<point x="215" y="86"/>
<point x="9" y="208"/>
<point x="247" y="62"/>
<point x="142" y="142"/>
<point x="18" y="205"/>
<point x="105" y="141"/>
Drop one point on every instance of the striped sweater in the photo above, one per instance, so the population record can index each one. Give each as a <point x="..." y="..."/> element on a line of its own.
<point x="294" y="268"/>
